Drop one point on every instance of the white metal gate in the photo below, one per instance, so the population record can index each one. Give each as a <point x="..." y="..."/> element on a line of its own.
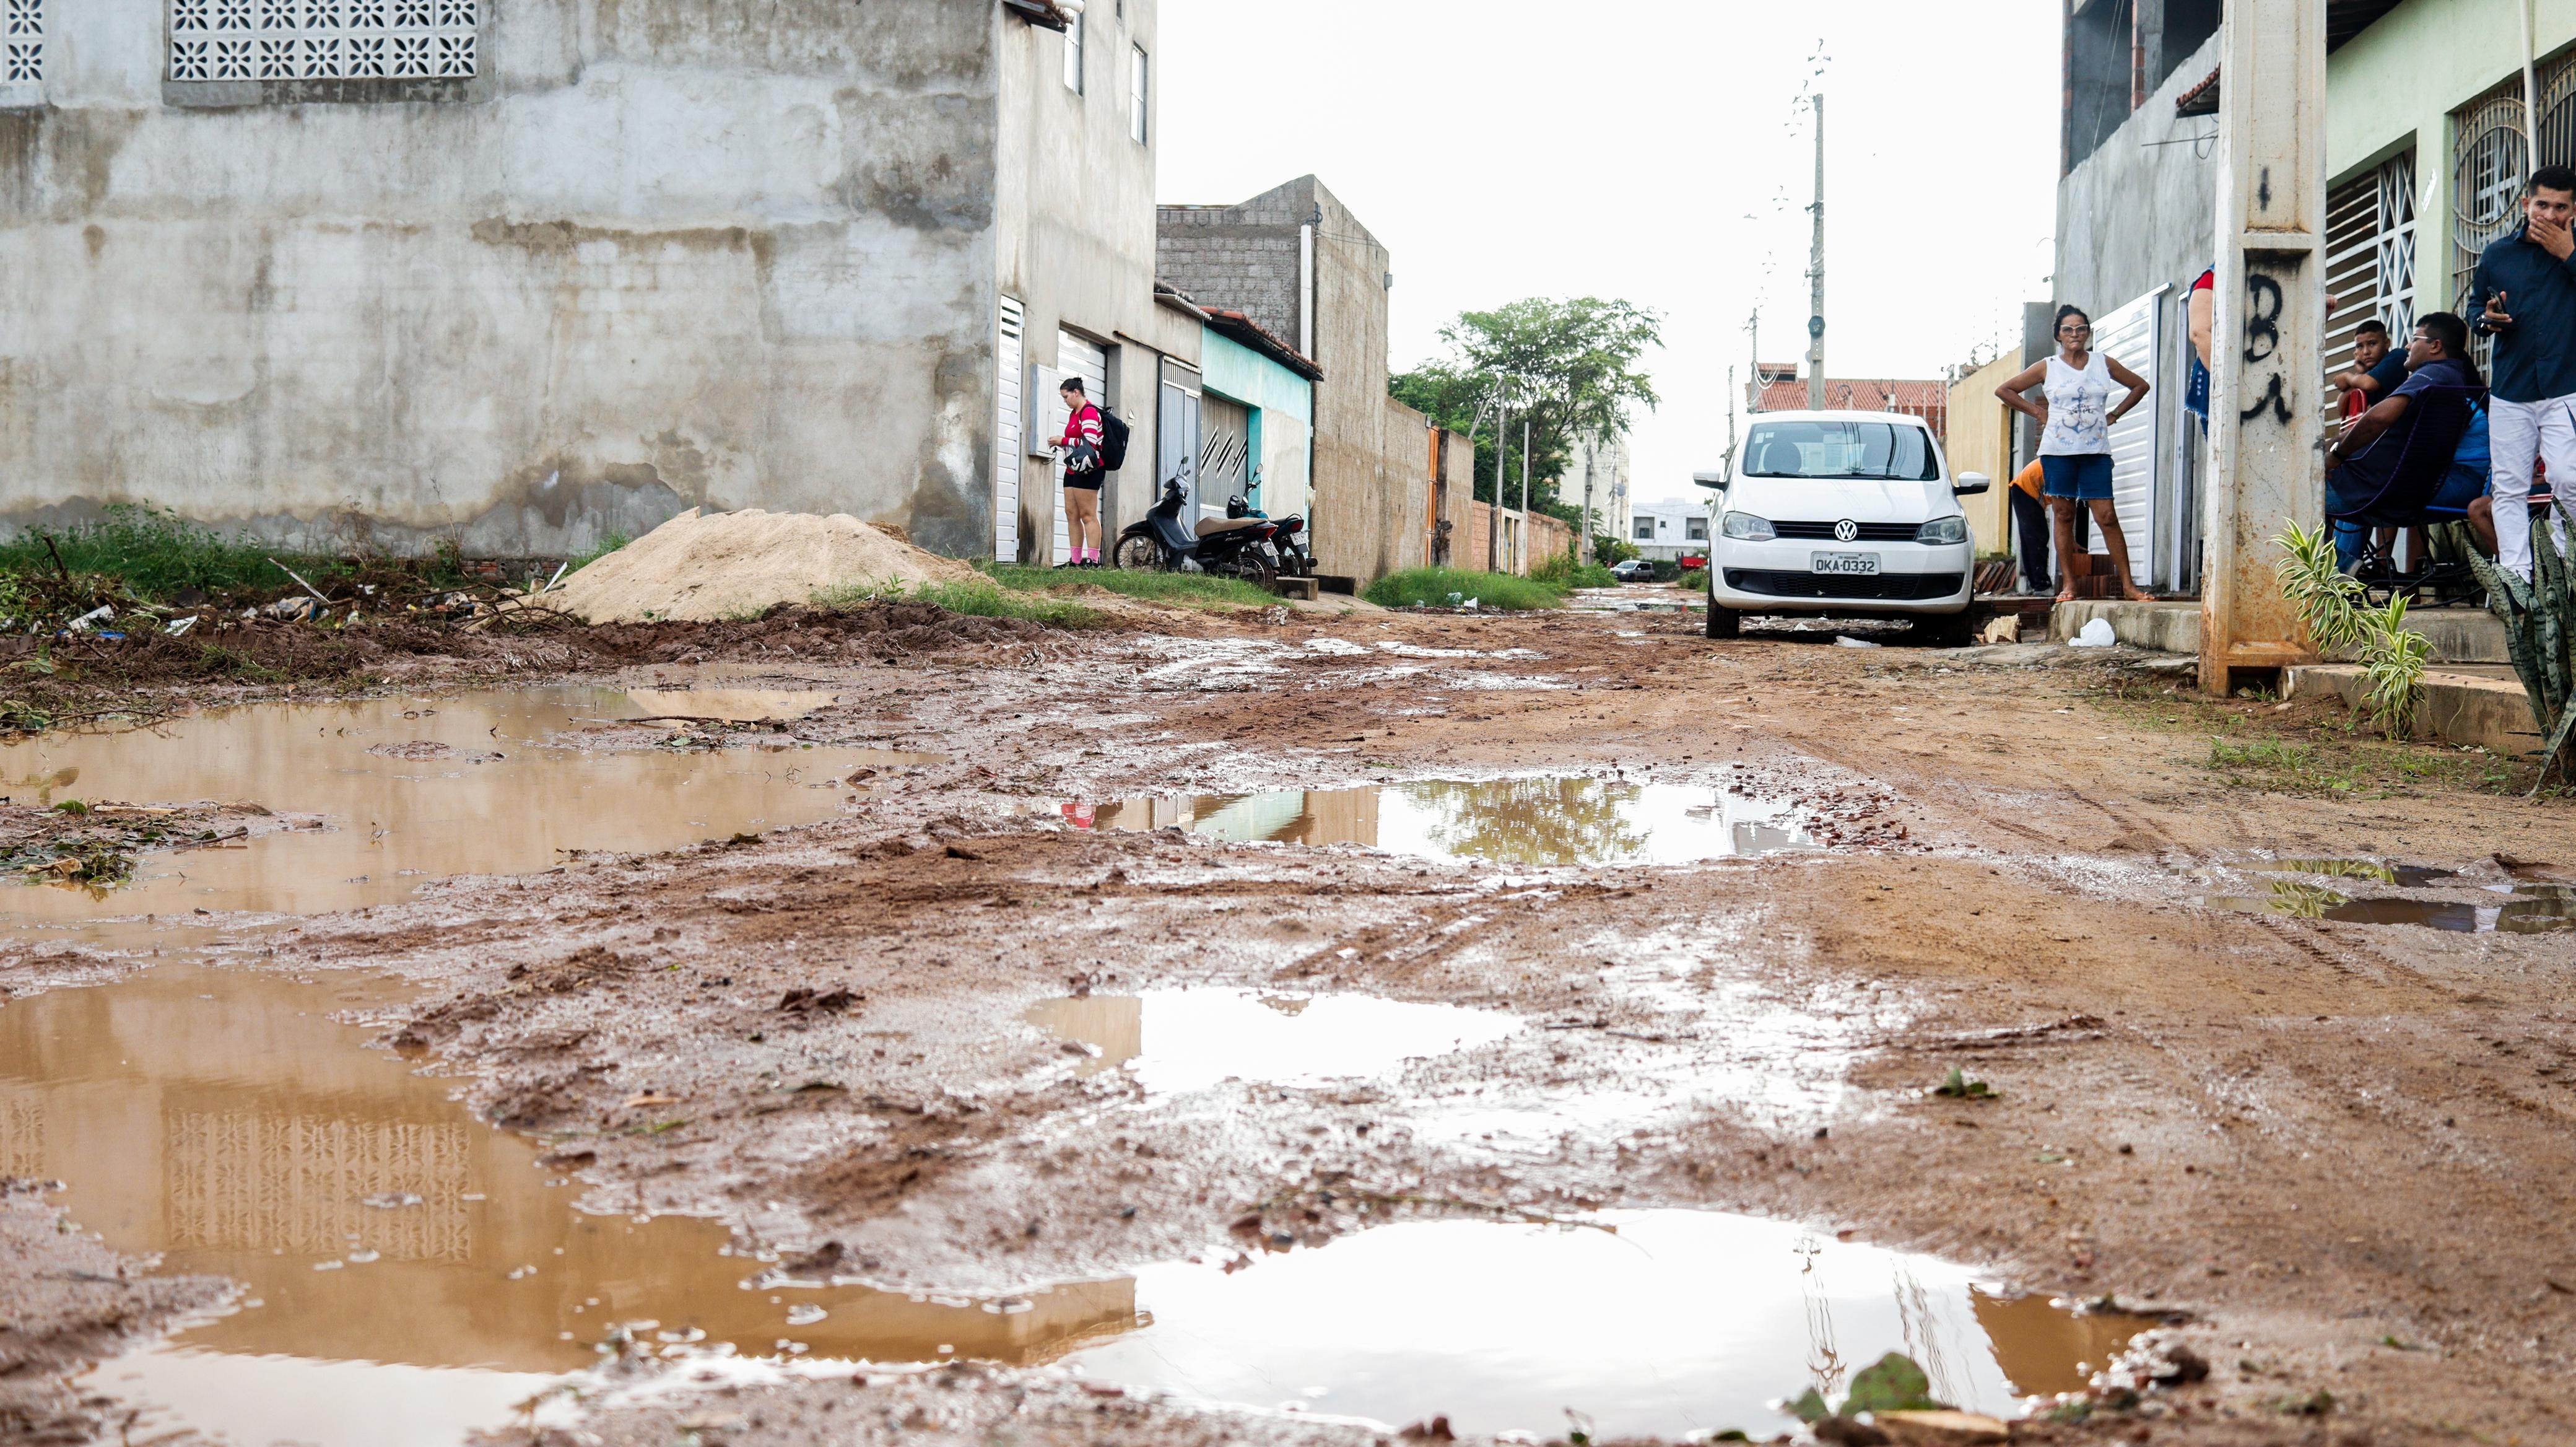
<point x="1225" y="451"/>
<point x="2133" y="336"/>
<point x="1176" y="452"/>
<point x="1008" y="454"/>
<point x="1075" y="356"/>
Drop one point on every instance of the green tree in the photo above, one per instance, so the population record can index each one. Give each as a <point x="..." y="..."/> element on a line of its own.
<point x="1571" y="367"/>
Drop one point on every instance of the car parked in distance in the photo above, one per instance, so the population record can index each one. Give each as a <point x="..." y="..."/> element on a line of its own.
<point x="1849" y="513"/>
<point x="1634" y="570"/>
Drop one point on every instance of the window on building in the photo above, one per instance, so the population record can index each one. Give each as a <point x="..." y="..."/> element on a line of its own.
<point x="1645" y="530"/>
<point x="322" y="39"/>
<point x="1140" y="93"/>
<point x="1073" y="56"/>
<point x="1696" y="530"/>
<point x="22" y="42"/>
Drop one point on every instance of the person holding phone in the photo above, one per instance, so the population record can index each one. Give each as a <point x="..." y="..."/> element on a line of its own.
<point x="2525" y="298"/>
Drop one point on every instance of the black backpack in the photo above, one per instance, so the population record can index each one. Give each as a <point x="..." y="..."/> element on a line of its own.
<point x="1113" y="441"/>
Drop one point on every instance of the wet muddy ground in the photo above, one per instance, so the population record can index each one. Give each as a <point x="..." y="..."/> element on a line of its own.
<point x="1292" y="1028"/>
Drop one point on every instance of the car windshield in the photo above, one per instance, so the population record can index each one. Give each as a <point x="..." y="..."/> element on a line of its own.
<point x="1841" y="449"/>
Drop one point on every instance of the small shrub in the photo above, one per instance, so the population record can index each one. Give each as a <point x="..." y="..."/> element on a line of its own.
<point x="1695" y="579"/>
<point x="1449" y="587"/>
<point x="607" y="545"/>
<point x="153" y="552"/>
<point x="1562" y="571"/>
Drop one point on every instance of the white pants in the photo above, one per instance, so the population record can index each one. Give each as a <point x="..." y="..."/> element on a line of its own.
<point x="2516" y="432"/>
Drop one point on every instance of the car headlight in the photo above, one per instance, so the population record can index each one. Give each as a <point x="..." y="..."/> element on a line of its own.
<point x="1746" y="526"/>
<point x="1943" y="530"/>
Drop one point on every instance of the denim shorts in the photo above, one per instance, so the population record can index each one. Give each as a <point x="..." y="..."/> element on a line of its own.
<point x="2083" y="478"/>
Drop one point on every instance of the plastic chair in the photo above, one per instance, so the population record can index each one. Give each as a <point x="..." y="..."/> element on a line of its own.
<point x="2426" y="442"/>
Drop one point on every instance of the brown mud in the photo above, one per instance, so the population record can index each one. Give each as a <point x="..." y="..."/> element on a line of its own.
<point x="2336" y="1152"/>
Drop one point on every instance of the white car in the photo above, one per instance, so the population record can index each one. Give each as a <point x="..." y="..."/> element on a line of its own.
<point x="1849" y="513"/>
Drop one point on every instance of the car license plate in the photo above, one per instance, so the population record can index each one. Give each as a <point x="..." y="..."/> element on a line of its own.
<point x="1861" y="563"/>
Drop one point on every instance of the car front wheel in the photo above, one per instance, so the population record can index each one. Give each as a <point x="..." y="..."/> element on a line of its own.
<point x="1723" y="622"/>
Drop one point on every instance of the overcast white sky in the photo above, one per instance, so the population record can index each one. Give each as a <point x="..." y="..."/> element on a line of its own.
<point x="1654" y="150"/>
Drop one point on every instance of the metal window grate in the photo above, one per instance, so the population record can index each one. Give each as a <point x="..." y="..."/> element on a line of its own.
<point x="22" y="42"/>
<point x="2370" y="258"/>
<point x="322" y="39"/>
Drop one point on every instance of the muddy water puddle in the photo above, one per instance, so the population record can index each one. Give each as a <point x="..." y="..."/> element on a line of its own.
<point x="1174" y="1041"/>
<point x="409" y="1274"/>
<point x="2509" y="909"/>
<point x="1533" y="822"/>
<point x="411" y="789"/>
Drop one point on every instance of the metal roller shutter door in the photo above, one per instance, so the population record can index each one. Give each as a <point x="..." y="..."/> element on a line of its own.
<point x="2133" y="336"/>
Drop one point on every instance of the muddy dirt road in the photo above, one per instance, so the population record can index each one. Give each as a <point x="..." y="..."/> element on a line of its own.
<point x="1255" y="1029"/>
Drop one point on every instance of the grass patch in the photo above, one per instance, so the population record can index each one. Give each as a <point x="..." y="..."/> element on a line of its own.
<point x="1448" y="587"/>
<point x="152" y="552"/>
<point x="1562" y="571"/>
<point x="2315" y="746"/>
<point x="607" y="545"/>
<point x="980" y="598"/>
<point x="1188" y="589"/>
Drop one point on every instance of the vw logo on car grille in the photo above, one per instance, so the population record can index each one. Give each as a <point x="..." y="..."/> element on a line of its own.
<point x="1846" y="530"/>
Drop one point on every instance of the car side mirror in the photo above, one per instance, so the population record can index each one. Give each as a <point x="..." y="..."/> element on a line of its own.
<point x="1971" y="482"/>
<point x="1709" y="479"/>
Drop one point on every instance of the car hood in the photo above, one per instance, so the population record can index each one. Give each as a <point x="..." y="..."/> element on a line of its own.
<point x="1863" y="500"/>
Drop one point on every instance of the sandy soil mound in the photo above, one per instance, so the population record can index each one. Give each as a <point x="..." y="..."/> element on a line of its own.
<point x="739" y="564"/>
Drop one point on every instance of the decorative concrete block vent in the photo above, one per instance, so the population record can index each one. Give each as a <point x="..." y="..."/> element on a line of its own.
<point x="22" y="42"/>
<point x="320" y="39"/>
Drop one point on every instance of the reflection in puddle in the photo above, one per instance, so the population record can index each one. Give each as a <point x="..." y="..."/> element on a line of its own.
<point x="2538" y="909"/>
<point x="416" y="789"/>
<point x="1663" y="1323"/>
<point x="1183" y="1040"/>
<point x="1537" y="822"/>
<point x="221" y="1118"/>
<point x="2408" y="876"/>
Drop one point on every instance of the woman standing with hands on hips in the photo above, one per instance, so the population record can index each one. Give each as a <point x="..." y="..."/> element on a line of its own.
<point x="2075" y="418"/>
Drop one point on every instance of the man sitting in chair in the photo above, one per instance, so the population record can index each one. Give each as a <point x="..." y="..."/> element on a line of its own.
<point x="2364" y="459"/>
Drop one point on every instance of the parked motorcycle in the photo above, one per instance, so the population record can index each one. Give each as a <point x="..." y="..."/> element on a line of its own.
<point x="1295" y="558"/>
<point x="1235" y="547"/>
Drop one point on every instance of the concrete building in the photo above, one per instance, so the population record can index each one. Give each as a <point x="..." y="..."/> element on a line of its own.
<point x="524" y="275"/>
<point x="1298" y="264"/>
<point x="2425" y="160"/>
<point x="1256" y="417"/>
<point x="1667" y="531"/>
<point x="1983" y="438"/>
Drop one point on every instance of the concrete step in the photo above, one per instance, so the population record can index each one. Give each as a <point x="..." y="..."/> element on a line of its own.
<point x="2472" y="704"/>
<point x="1308" y="589"/>
<point x="2458" y="635"/>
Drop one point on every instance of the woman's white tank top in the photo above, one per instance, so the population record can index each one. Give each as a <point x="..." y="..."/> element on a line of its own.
<point x="2079" y="408"/>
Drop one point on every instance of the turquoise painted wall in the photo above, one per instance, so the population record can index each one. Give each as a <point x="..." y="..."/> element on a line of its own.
<point x="1283" y="419"/>
<point x="2400" y="80"/>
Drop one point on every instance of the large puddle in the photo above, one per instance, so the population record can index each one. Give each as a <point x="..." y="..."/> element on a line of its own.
<point x="412" y="789"/>
<point x="1536" y="822"/>
<point x="411" y="1274"/>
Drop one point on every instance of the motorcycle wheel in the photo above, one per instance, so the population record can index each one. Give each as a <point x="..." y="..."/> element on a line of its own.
<point x="1140" y="553"/>
<point x="1255" y="568"/>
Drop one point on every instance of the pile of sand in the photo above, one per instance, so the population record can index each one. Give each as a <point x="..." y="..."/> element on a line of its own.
<point x="741" y="564"/>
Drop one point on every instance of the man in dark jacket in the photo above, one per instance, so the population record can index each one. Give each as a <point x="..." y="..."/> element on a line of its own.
<point x="2526" y="299"/>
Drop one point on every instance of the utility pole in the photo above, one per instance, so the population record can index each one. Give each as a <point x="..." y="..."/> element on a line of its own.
<point x="2265" y="414"/>
<point x="1494" y="514"/>
<point x="1753" y="393"/>
<point x="1730" y="419"/>
<point x="1816" y="278"/>
<point x="1522" y="562"/>
<point x="1583" y="547"/>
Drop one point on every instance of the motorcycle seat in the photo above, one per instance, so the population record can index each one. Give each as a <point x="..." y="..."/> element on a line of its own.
<point x="1211" y="527"/>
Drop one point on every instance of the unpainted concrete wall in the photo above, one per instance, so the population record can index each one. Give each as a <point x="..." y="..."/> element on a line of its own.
<point x="668" y="253"/>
